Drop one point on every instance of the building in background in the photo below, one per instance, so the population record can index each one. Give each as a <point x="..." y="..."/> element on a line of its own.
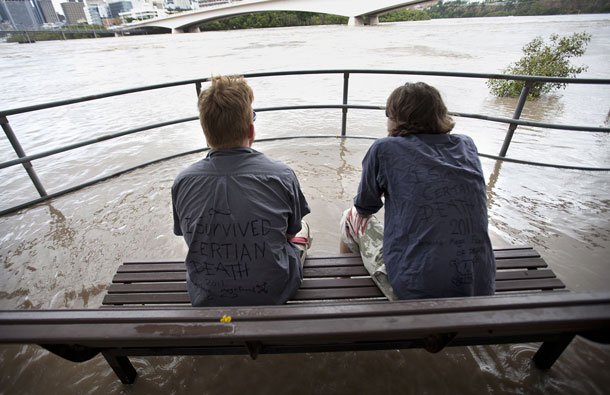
<point x="138" y="15"/>
<point x="117" y="7"/>
<point x="48" y="12"/>
<point x="141" y="10"/>
<point x="177" y="5"/>
<point x="21" y="14"/>
<point x="74" y="12"/>
<point x="207" y="3"/>
<point x="96" y="11"/>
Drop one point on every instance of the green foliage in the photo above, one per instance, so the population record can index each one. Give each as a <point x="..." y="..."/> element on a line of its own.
<point x="404" y="15"/>
<point x="463" y="9"/>
<point x="66" y="33"/>
<point x="541" y="59"/>
<point x="275" y="19"/>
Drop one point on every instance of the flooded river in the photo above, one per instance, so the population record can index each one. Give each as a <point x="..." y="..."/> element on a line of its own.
<point x="62" y="254"/>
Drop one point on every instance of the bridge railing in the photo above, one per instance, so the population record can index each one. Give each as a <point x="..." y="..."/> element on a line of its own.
<point x="26" y="160"/>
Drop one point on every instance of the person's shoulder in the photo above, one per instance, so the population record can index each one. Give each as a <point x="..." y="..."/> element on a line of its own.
<point x="392" y="144"/>
<point x="192" y="170"/>
<point x="466" y="141"/>
<point x="269" y="161"/>
<point x="384" y="142"/>
<point x="462" y="137"/>
<point x="268" y="164"/>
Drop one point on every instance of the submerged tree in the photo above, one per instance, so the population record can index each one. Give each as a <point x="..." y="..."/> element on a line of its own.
<point x="541" y="59"/>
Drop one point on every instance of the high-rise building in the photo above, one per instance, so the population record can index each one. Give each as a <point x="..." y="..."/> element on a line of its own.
<point x="96" y="11"/>
<point x="48" y="11"/>
<point x="74" y="12"/>
<point x="119" y="6"/>
<point x="92" y="13"/>
<point x="22" y="14"/>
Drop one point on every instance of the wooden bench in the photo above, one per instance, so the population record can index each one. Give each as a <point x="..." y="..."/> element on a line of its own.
<point x="329" y="277"/>
<point x="146" y="312"/>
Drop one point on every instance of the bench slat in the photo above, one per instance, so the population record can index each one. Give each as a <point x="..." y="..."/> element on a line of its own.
<point x="149" y="277"/>
<point x="515" y="281"/>
<point x="516" y="253"/>
<point x="523" y="274"/>
<point x="500" y="253"/>
<point x="488" y="316"/>
<point x="337" y="276"/>
<point x="338" y="293"/>
<point x="335" y="262"/>
<point x="176" y="293"/>
<point x="520" y="263"/>
<point x="544" y="284"/>
<point x="147" y="298"/>
<point x="301" y="295"/>
<point x="181" y="287"/>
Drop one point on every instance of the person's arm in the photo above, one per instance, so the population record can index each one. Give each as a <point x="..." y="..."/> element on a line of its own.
<point x="368" y="199"/>
<point x="177" y="227"/>
<point x="300" y="208"/>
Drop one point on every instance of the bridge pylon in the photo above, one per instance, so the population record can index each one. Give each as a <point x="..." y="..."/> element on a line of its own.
<point x="363" y="20"/>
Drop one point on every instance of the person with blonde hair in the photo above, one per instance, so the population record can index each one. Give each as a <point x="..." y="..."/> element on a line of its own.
<point x="239" y="211"/>
<point x="434" y="241"/>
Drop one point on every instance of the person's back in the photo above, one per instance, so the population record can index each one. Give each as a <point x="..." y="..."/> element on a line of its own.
<point x="236" y="208"/>
<point x="435" y="240"/>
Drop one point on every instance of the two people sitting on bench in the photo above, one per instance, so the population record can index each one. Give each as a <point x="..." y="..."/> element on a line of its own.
<point x="239" y="211"/>
<point x="434" y="241"/>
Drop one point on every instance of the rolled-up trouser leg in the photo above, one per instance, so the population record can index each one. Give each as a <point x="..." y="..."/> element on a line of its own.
<point x="365" y="235"/>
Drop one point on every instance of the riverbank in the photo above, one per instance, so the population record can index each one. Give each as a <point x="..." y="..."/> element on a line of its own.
<point x="464" y="9"/>
<point x="442" y="10"/>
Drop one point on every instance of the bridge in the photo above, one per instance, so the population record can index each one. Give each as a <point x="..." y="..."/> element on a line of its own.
<point x="360" y="12"/>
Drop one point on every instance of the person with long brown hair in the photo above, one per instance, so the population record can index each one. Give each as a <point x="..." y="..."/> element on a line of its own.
<point x="434" y="241"/>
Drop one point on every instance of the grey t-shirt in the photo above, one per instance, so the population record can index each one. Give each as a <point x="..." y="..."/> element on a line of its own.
<point x="435" y="240"/>
<point x="234" y="209"/>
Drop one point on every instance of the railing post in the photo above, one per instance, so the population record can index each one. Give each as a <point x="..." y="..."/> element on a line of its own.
<point x="513" y="126"/>
<point x="20" y="153"/>
<point x="198" y="88"/>
<point x="344" y="120"/>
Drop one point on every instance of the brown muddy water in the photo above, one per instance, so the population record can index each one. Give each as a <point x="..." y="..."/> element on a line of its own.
<point x="63" y="254"/>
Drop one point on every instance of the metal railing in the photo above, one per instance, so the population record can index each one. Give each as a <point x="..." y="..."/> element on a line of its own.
<point x="514" y="122"/>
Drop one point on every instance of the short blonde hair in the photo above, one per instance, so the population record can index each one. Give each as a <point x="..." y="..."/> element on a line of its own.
<point x="417" y="108"/>
<point x="225" y="111"/>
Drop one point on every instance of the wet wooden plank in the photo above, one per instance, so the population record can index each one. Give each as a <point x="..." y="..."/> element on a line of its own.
<point x="159" y="287"/>
<point x="338" y="293"/>
<point x="147" y="298"/>
<point x="516" y="253"/>
<point x="524" y="274"/>
<point x="477" y="317"/>
<point x="152" y="267"/>
<point x="545" y="284"/>
<point x="149" y="277"/>
<point x="326" y="277"/>
<point x="520" y="263"/>
<point x="521" y="260"/>
<point x="176" y="293"/>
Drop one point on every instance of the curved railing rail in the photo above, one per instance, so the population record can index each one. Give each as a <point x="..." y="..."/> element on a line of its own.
<point x="514" y="122"/>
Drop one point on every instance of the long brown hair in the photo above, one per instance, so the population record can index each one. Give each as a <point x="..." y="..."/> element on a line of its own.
<point x="417" y="108"/>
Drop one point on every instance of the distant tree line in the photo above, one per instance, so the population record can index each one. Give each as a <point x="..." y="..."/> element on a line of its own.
<point x="66" y="33"/>
<point x="463" y="9"/>
<point x="404" y="15"/>
<point x="444" y="9"/>
<point x="275" y="19"/>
